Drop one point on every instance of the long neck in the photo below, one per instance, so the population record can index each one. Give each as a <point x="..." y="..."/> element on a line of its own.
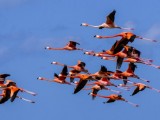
<point x="94" y="26"/>
<point x="117" y="35"/>
<point x="102" y="96"/>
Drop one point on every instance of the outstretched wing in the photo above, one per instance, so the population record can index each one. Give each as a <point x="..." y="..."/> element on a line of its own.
<point x="131" y="67"/>
<point x="136" y="91"/>
<point x="72" y="44"/>
<point x="81" y="64"/>
<point x="14" y="92"/>
<point x="119" y="62"/>
<point x="113" y="46"/>
<point x="80" y="85"/>
<point x="110" y="100"/>
<point x="111" y="17"/>
<point x="120" y="45"/>
<point x="136" y="53"/>
<point x="64" y="71"/>
<point x="95" y="91"/>
<point x="125" y="80"/>
<point x="103" y="69"/>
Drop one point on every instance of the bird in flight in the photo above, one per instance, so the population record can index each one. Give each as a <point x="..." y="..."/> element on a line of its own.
<point x="108" y="24"/>
<point x="114" y="97"/>
<point x="79" y="67"/>
<point x="71" y="45"/>
<point x="61" y="78"/>
<point x="127" y="35"/>
<point x="10" y="91"/>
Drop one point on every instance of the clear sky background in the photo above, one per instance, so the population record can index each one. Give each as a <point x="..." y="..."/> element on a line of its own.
<point x="27" y="26"/>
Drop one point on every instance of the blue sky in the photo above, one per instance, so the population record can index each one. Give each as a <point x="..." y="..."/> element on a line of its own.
<point x="27" y="26"/>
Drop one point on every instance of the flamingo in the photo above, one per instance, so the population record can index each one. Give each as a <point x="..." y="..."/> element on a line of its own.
<point x="79" y="67"/>
<point x="11" y="93"/>
<point x="97" y="88"/>
<point x="116" y="47"/>
<point x="127" y="35"/>
<point x="117" y="76"/>
<point x="121" y="55"/>
<point x="141" y="87"/>
<point x="108" y="24"/>
<point x="103" y="72"/>
<point x="70" y="46"/>
<point x="58" y="78"/>
<point x="82" y="82"/>
<point x="130" y="73"/>
<point x="133" y="56"/>
<point x="137" y="60"/>
<point x="115" y="97"/>
<point x="128" y="51"/>
<point x="12" y="83"/>
<point x="100" y="54"/>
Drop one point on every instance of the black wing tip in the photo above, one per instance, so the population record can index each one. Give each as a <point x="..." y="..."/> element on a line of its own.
<point x="114" y="11"/>
<point x="56" y="75"/>
<point x="4" y="75"/>
<point x="74" y="42"/>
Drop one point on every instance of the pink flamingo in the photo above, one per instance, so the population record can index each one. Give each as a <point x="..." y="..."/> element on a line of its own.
<point x="108" y="24"/>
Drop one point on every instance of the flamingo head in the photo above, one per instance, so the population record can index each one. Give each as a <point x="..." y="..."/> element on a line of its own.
<point x="47" y="47"/>
<point x="122" y="85"/>
<point x="89" y="53"/>
<point x="54" y="62"/>
<point x="105" y="58"/>
<point x="97" y="36"/>
<point x="41" y="78"/>
<point x="84" y="24"/>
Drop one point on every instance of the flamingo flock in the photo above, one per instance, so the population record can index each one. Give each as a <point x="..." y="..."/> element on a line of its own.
<point x="10" y="90"/>
<point x="79" y="77"/>
<point x="120" y="52"/>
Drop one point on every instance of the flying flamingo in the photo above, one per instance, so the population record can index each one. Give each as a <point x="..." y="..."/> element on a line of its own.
<point x="79" y="67"/>
<point x="128" y="52"/>
<point x="127" y="35"/>
<point x="115" y="97"/>
<point x="97" y="88"/>
<point x="117" y="76"/>
<point x="140" y="87"/>
<point x="130" y="72"/>
<point x="108" y="24"/>
<point x="58" y="78"/>
<point x="100" y="54"/>
<point x="82" y="82"/>
<point x="116" y="47"/>
<point x="105" y="81"/>
<point x="137" y="60"/>
<point x="103" y="72"/>
<point x="11" y="93"/>
<point x="133" y="56"/>
<point x="70" y="46"/>
<point x="12" y="83"/>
